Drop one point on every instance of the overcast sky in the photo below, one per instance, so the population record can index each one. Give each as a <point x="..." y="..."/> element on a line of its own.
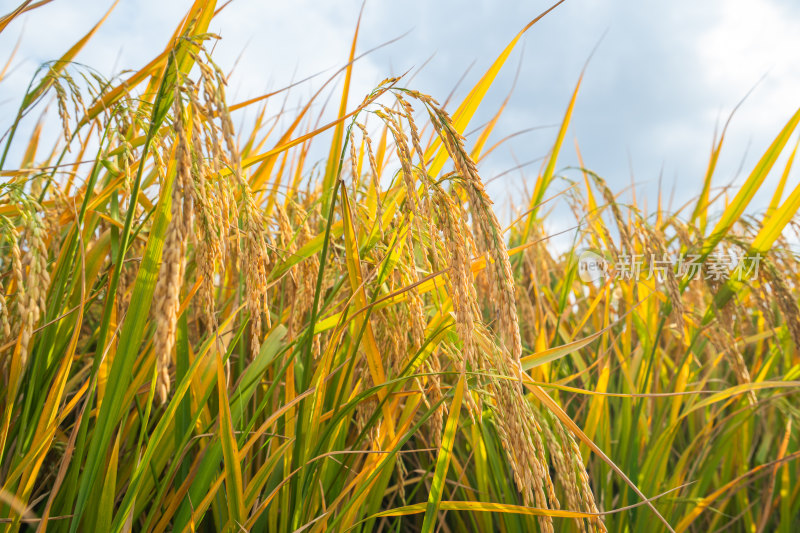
<point x="663" y="77"/>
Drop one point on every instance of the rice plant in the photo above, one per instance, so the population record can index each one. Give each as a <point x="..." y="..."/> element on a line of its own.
<point x="203" y="331"/>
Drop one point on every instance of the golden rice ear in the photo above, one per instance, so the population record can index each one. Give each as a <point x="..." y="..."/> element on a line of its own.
<point x="463" y="294"/>
<point x="658" y="251"/>
<point x="173" y="262"/>
<point x="521" y="437"/>
<point x="374" y="173"/>
<point x="787" y="303"/>
<point x="5" y="325"/>
<point x="29" y="272"/>
<point x="487" y="230"/>
<point x="254" y="263"/>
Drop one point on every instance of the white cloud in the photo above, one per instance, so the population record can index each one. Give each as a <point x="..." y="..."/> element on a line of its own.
<point x="661" y="79"/>
<point x="746" y="42"/>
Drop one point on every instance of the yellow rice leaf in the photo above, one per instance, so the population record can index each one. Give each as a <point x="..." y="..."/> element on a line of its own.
<point x="230" y="452"/>
<point x="469" y="105"/>
<point x="443" y="458"/>
<point x="374" y="360"/>
<point x="748" y="190"/>
<point x="64" y="60"/>
<point x="544" y="180"/>
<point x="336" y="144"/>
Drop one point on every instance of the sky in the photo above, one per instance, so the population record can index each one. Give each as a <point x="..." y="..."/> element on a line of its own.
<point x="663" y="78"/>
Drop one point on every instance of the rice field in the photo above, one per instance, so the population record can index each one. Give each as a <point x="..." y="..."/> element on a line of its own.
<point x="203" y="330"/>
